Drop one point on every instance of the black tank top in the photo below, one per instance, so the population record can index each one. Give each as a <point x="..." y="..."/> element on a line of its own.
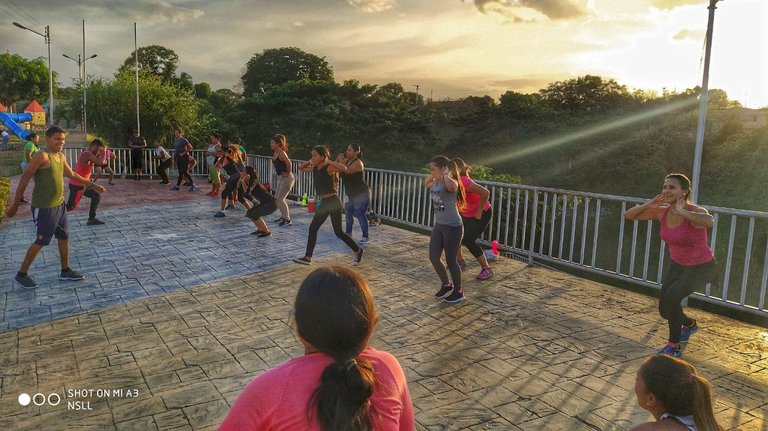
<point x="280" y="167"/>
<point x="354" y="184"/>
<point x="261" y="194"/>
<point x="232" y="168"/>
<point x="324" y="183"/>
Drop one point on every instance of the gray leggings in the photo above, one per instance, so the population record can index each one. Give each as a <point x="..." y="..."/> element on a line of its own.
<point x="283" y="186"/>
<point x="448" y="238"/>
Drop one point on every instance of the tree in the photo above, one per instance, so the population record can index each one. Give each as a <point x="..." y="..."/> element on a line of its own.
<point x="280" y="65"/>
<point x="202" y="90"/>
<point x="585" y="94"/>
<point x="155" y="59"/>
<point x="22" y="79"/>
<point x="112" y="115"/>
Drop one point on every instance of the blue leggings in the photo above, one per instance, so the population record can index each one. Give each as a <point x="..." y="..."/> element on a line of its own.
<point x="357" y="207"/>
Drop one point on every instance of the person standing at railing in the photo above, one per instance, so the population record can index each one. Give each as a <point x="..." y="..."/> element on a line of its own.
<point x="676" y="396"/>
<point x="358" y="192"/>
<point x="284" y="177"/>
<point x="326" y="180"/>
<point x="211" y="157"/>
<point x="475" y="217"/>
<point x="448" y="197"/>
<point x="30" y="148"/>
<point x="181" y="149"/>
<point x="137" y="144"/>
<point x="684" y="229"/>
<point x="165" y="161"/>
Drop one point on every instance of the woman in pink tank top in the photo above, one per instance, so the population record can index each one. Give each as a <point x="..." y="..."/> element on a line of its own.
<point x="684" y="229"/>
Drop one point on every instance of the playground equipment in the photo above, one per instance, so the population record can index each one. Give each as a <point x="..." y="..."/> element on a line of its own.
<point x="10" y="121"/>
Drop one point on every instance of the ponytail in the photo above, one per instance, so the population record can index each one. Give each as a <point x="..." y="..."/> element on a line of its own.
<point x="703" y="414"/>
<point x="461" y="196"/>
<point x="343" y="399"/>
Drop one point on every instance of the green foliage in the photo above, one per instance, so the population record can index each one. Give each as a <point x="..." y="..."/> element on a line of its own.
<point x="22" y="79"/>
<point x="155" y="59"/>
<point x="112" y="109"/>
<point x="5" y="191"/>
<point x="281" y="65"/>
<point x="585" y="94"/>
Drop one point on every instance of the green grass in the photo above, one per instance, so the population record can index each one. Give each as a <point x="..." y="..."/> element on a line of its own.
<point x="10" y="161"/>
<point x="5" y="191"/>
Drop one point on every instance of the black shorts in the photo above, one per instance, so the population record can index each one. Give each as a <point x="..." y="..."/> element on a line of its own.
<point x="137" y="159"/>
<point x="262" y="210"/>
<point x="50" y="222"/>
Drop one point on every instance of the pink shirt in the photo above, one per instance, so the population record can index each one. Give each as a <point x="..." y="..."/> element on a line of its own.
<point x="278" y="399"/>
<point x="473" y="199"/>
<point x="687" y="245"/>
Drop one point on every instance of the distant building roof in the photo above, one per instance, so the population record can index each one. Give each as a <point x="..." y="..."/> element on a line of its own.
<point x="34" y="107"/>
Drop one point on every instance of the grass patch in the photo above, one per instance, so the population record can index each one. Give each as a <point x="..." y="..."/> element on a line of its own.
<point x="5" y="191"/>
<point x="10" y="162"/>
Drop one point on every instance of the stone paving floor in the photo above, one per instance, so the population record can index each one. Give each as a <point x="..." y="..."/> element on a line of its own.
<point x="180" y="311"/>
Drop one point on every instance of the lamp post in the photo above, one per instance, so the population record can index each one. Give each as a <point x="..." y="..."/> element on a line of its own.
<point x="699" y="147"/>
<point x="82" y="76"/>
<point x="47" y="37"/>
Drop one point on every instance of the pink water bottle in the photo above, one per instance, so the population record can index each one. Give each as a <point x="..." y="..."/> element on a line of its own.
<point x="495" y="247"/>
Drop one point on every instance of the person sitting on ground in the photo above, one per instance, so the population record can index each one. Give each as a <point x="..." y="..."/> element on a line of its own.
<point x="678" y="398"/>
<point x="340" y="383"/>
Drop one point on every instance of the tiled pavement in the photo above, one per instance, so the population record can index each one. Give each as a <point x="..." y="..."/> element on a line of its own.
<point x="531" y="349"/>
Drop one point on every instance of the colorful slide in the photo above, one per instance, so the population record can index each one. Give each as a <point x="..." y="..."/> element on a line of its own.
<point x="10" y="121"/>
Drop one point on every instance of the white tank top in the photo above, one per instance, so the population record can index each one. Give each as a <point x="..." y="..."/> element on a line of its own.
<point x="686" y="421"/>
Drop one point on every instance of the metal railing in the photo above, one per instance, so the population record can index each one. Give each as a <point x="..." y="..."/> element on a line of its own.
<point x="122" y="158"/>
<point x="585" y="231"/>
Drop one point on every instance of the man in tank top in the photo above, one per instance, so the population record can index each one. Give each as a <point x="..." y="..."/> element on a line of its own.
<point x="48" y="168"/>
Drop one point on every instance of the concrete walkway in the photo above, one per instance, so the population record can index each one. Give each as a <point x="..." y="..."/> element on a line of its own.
<point x="181" y="310"/>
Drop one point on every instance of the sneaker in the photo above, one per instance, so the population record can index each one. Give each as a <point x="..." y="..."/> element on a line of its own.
<point x="278" y="220"/>
<point x="229" y="207"/>
<point x="670" y="350"/>
<point x="455" y="296"/>
<point x="358" y="257"/>
<point x="264" y="234"/>
<point x="256" y="232"/>
<point x="687" y="331"/>
<point x="25" y="281"/>
<point x="219" y="214"/>
<point x="175" y="189"/>
<point x="192" y="188"/>
<point x="363" y="240"/>
<point x="485" y="274"/>
<point x="303" y="260"/>
<point x="444" y="291"/>
<point x="24" y="201"/>
<point x="71" y="275"/>
<point x="285" y="222"/>
<point x="94" y="222"/>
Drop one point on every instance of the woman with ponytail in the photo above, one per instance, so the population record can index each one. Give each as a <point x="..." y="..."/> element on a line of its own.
<point x="475" y="216"/>
<point x="684" y="228"/>
<point x="340" y="384"/>
<point x="677" y="397"/>
<point x="447" y="194"/>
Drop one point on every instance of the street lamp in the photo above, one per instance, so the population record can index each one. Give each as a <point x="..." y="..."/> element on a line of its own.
<point x="83" y="77"/>
<point x="47" y="37"/>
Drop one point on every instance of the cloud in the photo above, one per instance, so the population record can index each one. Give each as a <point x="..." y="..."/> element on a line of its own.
<point x="686" y="34"/>
<point x="671" y="4"/>
<point x="531" y="10"/>
<point x="372" y="6"/>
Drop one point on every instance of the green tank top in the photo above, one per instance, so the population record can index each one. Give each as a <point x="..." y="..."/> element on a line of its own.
<point x="49" y="183"/>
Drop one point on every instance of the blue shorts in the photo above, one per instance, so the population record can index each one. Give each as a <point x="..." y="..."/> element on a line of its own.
<point x="50" y="222"/>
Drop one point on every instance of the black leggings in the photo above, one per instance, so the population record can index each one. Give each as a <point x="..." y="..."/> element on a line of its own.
<point x="162" y="167"/>
<point x="679" y="282"/>
<point x="231" y="186"/>
<point x="330" y="207"/>
<point x="182" y="164"/>
<point x="76" y="192"/>
<point x="473" y="228"/>
<point x="446" y="238"/>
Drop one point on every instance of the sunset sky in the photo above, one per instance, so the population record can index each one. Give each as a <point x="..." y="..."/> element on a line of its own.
<point x="450" y="48"/>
